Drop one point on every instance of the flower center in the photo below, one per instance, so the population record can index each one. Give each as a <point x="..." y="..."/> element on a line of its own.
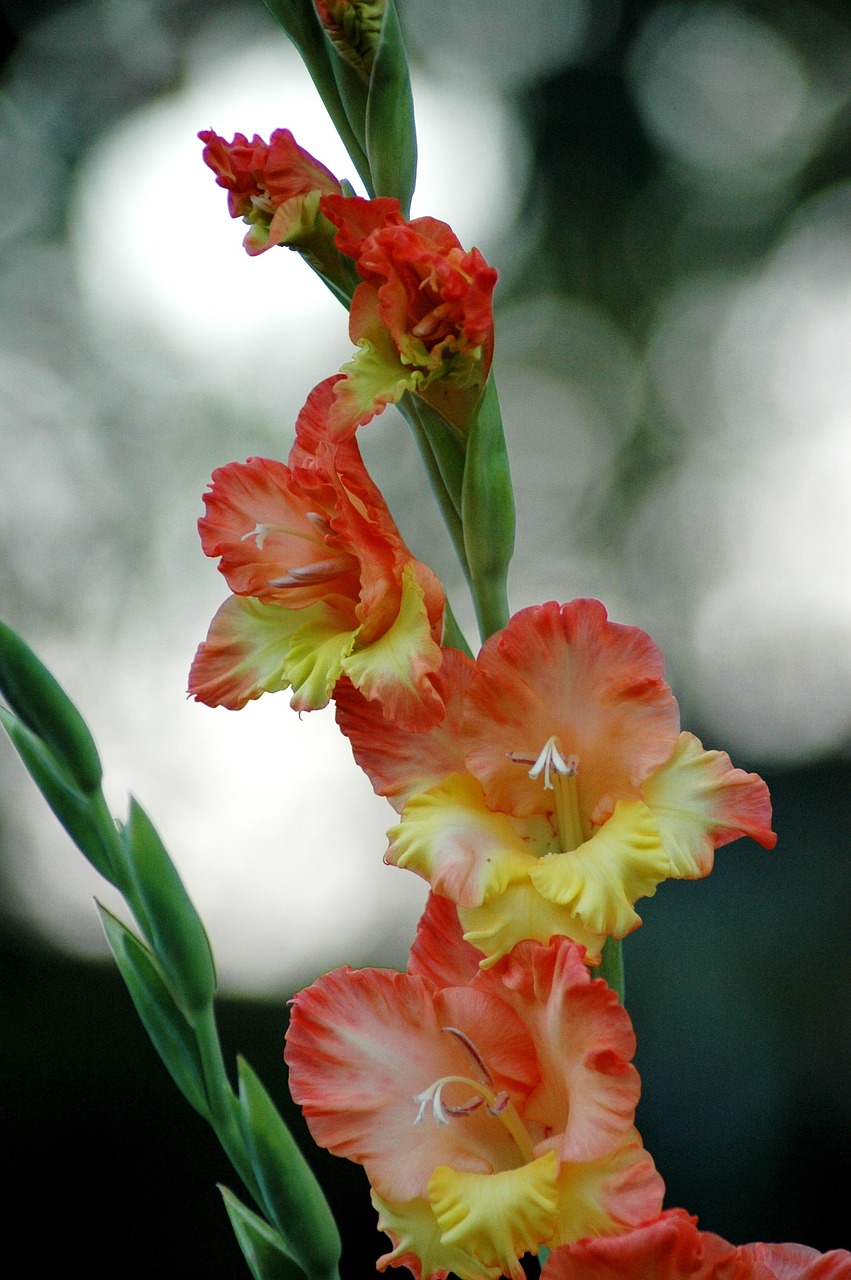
<point x="560" y="775"/>
<point x="317" y="571"/>
<point x="498" y="1105"/>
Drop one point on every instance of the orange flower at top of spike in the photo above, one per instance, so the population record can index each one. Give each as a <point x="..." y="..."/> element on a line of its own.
<point x="558" y="789"/>
<point x="274" y="186"/>
<point x="422" y="318"/>
<point x="324" y="586"/>
<point x="492" y="1111"/>
<point x="672" y="1248"/>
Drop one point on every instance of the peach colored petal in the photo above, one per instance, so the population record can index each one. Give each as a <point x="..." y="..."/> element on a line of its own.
<point x="320" y="645"/>
<point x="270" y="540"/>
<point x="671" y="1248"/>
<point x="598" y="687"/>
<point x="398" y="762"/>
<point x="700" y="801"/>
<point x="244" y="655"/>
<point x="586" y="1100"/>
<point x="397" y="667"/>
<point x="362" y="1047"/>
<point x="439" y="953"/>
<point x="358" y="218"/>
<point x="376" y="375"/>
<point x="799" y="1262"/>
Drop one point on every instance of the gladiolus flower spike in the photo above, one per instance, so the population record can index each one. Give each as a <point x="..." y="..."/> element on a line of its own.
<point x="492" y="1110"/>
<point x="324" y="587"/>
<point x="558" y="789"/>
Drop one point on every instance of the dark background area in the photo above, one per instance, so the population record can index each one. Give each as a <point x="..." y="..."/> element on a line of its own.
<point x="739" y="988"/>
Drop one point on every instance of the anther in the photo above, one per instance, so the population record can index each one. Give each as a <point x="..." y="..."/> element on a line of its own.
<point x="548" y="761"/>
<point x="473" y="1052"/>
<point x="308" y="574"/>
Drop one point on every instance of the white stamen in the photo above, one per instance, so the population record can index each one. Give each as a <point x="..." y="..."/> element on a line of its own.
<point x="550" y="758"/>
<point x="260" y="533"/>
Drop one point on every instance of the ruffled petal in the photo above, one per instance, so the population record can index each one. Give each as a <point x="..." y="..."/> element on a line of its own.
<point x="376" y="375"/>
<point x="701" y="801"/>
<point x="363" y="1047"/>
<point x="610" y="1195"/>
<point x="519" y="913"/>
<point x="245" y="654"/>
<point x="414" y="1232"/>
<point x="400" y="762"/>
<point x="497" y="1217"/>
<point x="318" y="650"/>
<point x="450" y="838"/>
<point x="585" y="1043"/>
<point x="799" y="1262"/>
<point x="439" y="953"/>
<point x="601" y="880"/>
<point x="396" y="669"/>
<point x="271" y="543"/>
<point x="671" y="1248"/>
<point x="567" y="671"/>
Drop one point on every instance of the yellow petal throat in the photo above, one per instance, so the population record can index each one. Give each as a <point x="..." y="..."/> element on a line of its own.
<point x="497" y="1217"/>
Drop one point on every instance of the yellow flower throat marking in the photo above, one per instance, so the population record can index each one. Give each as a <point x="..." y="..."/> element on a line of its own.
<point x="499" y="1104"/>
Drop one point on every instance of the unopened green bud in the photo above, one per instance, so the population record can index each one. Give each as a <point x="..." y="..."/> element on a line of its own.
<point x="39" y="701"/>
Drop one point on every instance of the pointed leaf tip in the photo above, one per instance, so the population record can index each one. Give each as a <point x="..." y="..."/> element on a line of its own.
<point x="40" y="702"/>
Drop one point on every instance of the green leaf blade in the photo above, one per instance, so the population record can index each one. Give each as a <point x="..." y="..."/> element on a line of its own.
<point x="168" y="917"/>
<point x="261" y="1247"/>
<point x="167" y="1028"/>
<point x="293" y="1198"/>
<point x="487" y="512"/>
<point x="39" y="702"/>
<point x="391" y="136"/>
<point x="73" y="808"/>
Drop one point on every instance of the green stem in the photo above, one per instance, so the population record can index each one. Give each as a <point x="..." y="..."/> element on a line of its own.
<point x="490" y="600"/>
<point x="453" y="636"/>
<point x="222" y="1101"/>
<point x="611" y="968"/>
<point x="449" y="509"/>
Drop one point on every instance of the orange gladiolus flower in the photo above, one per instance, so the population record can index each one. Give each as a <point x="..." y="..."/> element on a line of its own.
<point x="558" y="789"/>
<point x="672" y="1248"/>
<point x="422" y="318"/>
<point x="274" y="186"/>
<point x="324" y="586"/>
<point x="492" y="1111"/>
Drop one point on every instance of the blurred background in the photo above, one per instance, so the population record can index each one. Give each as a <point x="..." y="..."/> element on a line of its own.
<point x="666" y="190"/>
